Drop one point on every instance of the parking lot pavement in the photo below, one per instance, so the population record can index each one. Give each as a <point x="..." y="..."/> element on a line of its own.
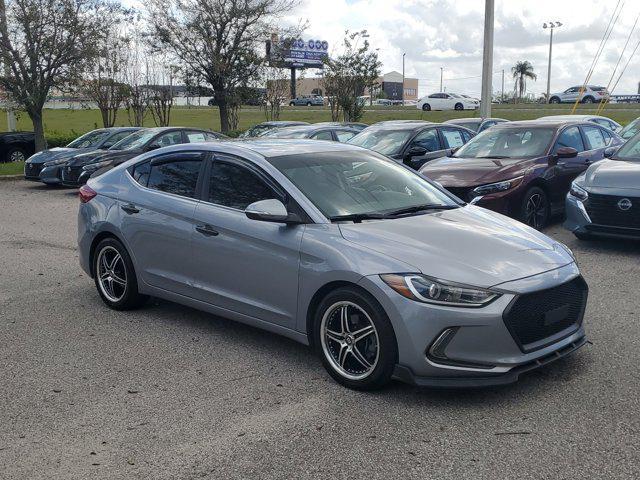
<point x="170" y="392"/>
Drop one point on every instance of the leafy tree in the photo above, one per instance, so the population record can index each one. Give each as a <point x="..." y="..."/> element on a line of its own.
<point x="222" y="40"/>
<point x="347" y="76"/>
<point x="47" y="44"/>
<point x="521" y="72"/>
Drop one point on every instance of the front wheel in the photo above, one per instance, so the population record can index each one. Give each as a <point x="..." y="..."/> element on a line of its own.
<point x="459" y="106"/>
<point x="535" y="208"/>
<point x="355" y="339"/>
<point x="16" y="154"/>
<point x="554" y="100"/>
<point x="115" y="277"/>
<point x="291" y="104"/>
<point x="426" y="107"/>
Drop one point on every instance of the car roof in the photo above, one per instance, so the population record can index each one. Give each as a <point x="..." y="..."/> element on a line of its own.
<point x="276" y="147"/>
<point x="572" y="117"/>
<point x="283" y="123"/>
<point x="401" y="125"/>
<point x="539" y="123"/>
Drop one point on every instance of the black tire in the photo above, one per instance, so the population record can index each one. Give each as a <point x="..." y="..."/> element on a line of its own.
<point x="291" y="104"/>
<point x="15" y="154"/>
<point x="535" y="208"/>
<point x="583" y="236"/>
<point x="588" y="99"/>
<point x="426" y="107"/>
<point x="554" y="100"/>
<point x="384" y="339"/>
<point x="308" y="104"/>
<point x="458" y="106"/>
<point x="130" y="298"/>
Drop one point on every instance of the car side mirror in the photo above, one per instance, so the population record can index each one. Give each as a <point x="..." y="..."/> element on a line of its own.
<point x="454" y="150"/>
<point x="566" y="152"/>
<point x="271" y="210"/>
<point x="416" y="151"/>
<point x="610" y="152"/>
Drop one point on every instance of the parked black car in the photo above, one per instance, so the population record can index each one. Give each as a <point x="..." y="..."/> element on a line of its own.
<point x="49" y="162"/>
<point x="334" y="133"/>
<point x="78" y="169"/>
<point x="16" y="146"/>
<point x="413" y="143"/>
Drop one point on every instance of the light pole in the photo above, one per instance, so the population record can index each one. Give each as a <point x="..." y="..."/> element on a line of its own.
<point x="487" y="60"/>
<point x="550" y="26"/>
<point x="441" y="71"/>
<point x="403" y="78"/>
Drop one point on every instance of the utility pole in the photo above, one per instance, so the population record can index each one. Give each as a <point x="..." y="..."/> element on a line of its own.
<point x="441" y="70"/>
<point x="403" y="77"/>
<point x="11" y="117"/>
<point x="502" y="95"/>
<point x="551" y="26"/>
<point x="487" y="60"/>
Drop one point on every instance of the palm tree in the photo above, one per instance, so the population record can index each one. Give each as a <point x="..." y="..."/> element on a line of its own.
<point x="521" y="71"/>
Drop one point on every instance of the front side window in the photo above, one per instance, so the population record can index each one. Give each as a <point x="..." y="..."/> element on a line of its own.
<point x="594" y="137"/>
<point x="570" y="137"/>
<point x="358" y="183"/>
<point x="235" y="186"/>
<point x="168" y="139"/>
<point x="134" y="141"/>
<point x="508" y="143"/>
<point x="428" y="140"/>
<point x="115" y="138"/>
<point x="452" y="137"/>
<point x="178" y="176"/>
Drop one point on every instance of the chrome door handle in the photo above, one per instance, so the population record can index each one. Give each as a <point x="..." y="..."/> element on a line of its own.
<point x="130" y="208"/>
<point x="207" y="230"/>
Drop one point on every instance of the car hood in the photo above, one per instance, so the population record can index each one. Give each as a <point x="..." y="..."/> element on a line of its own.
<point x="469" y="245"/>
<point x="471" y="172"/>
<point x="101" y="156"/>
<point x="54" y="154"/>
<point x="613" y="174"/>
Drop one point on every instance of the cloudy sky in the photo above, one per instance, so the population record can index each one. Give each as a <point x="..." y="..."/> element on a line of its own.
<point x="449" y="34"/>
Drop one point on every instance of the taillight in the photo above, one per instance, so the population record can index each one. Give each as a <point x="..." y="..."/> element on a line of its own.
<point x="86" y="193"/>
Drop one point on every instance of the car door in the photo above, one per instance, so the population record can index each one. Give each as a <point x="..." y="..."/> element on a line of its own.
<point x="567" y="169"/>
<point x="570" y="94"/>
<point x="430" y="145"/>
<point x="435" y="101"/>
<point x="157" y="218"/>
<point x="596" y="141"/>
<point x="242" y="265"/>
<point x="447" y="102"/>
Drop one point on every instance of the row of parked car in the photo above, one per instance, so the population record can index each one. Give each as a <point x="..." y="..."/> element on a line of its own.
<point x="521" y="169"/>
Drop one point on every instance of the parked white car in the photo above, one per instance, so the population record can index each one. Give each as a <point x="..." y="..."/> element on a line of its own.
<point x="591" y="94"/>
<point x="447" y="101"/>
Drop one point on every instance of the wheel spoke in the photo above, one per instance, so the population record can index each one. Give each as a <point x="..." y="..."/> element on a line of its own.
<point x="342" y="355"/>
<point x="118" y="280"/>
<point x="362" y="333"/>
<point x="360" y="358"/>
<point x="115" y="260"/>
<point x="344" y="319"/>
<point x="103" y="262"/>
<point x="335" y="336"/>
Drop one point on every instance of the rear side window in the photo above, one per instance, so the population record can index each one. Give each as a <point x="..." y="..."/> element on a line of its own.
<point x="235" y="186"/>
<point x="594" y="137"/>
<point x="178" y="177"/>
<point x="453" y="137"/>
<point x="570" y="137"/>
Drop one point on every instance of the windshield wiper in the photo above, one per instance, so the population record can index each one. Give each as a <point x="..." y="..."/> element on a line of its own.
<point x="420" y="208"/>
<point x="358" y="217"/>
<point x="497" y="157"/>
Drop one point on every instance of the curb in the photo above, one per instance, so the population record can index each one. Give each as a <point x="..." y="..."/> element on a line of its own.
<point x="11" y="177"/>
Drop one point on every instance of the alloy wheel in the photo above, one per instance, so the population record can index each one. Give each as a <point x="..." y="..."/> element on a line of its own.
<point x="349" y="340"/>
<point x="536" y="211"/>
<point x="111" y="274"/>
<point x="17" y="156"/>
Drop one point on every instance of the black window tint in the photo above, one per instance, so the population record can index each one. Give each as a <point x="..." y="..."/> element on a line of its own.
<point x="141" y="173"/>
<point x="428" y="140"/>
<point x="570" y="137"/>
<point x="235" y="186"/>
<point x="178" y="177"/>
<point x="324" y="135"/>
<point x="115" y="138"/>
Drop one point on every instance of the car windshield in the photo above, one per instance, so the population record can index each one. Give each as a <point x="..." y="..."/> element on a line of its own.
<point x="90" y="139"/>
<point x="286" y="133"/>
<point x="348" y="183"/>
<point x="387" y="142"/>
<point x="508" y="143"/>
<point x="630" y="151"/>
<point x="135" y="140"/>
<point x="631" y="129"/>
<point x="256" y="131"/>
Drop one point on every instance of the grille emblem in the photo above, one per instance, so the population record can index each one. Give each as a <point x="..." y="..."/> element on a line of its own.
<point x="624" y="204"/>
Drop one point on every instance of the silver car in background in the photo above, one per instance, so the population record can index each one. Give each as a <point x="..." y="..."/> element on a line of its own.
<point x="584" y="94"/>
<point x="385" y="273"/>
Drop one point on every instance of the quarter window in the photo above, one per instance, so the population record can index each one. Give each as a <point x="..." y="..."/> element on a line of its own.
<point x="235" y="186"/>
<point x="594" y="137"/>
<point x="570" y="137"/>
<point x="452" y="138"/>
<point x="178" y="177"/>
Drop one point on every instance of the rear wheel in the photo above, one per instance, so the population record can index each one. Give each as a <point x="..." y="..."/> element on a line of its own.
<point x="588" y="99"/>
<point x="535" y="208"/>
<point x="355" y="339"/>
<point x="459" y="106"/>
<point x="16" y="154"/>
<point x="115" y="277"/>
<point x="426" y="107"/>
<point x="291" y="104"/>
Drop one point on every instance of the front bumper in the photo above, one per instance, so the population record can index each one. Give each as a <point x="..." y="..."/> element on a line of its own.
<point x="579" y="221"/>
<point x="74" y="176"/>
<point x="51" y="175"/>
<point x="483" y="351"/>
<point x="32" y="171"/>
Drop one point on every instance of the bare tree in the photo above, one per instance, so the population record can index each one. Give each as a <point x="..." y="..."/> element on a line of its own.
<point x="221" y="39"/>
<point x="347" y="76"/>
<point x="161" y="91"/>
<point x="278" y="85"/>
<point x="47" y="44"/>
<point x="138" y="96"/>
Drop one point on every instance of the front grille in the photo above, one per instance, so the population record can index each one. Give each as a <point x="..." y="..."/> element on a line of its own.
<point x="461" y="192"/>
<point x="70" y="174"/>
<point x="538" y="319"/>
<point x="604" y="210"/>
<point x="32" y="170"/>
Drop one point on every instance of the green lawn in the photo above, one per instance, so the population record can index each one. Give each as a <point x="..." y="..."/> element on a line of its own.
<point x="11" y="168"/>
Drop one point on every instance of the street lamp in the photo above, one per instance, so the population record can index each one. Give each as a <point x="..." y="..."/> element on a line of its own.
<point x="550" y="26"/>
<point x="403" y="78"/>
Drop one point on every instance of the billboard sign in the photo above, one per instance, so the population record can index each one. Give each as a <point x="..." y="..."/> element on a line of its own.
<point x="298" y="53"/>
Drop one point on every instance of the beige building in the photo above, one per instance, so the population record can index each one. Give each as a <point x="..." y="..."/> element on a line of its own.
<point x="390" y="83"/>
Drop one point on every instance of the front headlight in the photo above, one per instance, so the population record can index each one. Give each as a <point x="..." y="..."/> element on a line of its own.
<point x="578" y="192"/>
<point x="496" y="187"/>
<point x="429" y="290"/>
<point x="92" y="167"/>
